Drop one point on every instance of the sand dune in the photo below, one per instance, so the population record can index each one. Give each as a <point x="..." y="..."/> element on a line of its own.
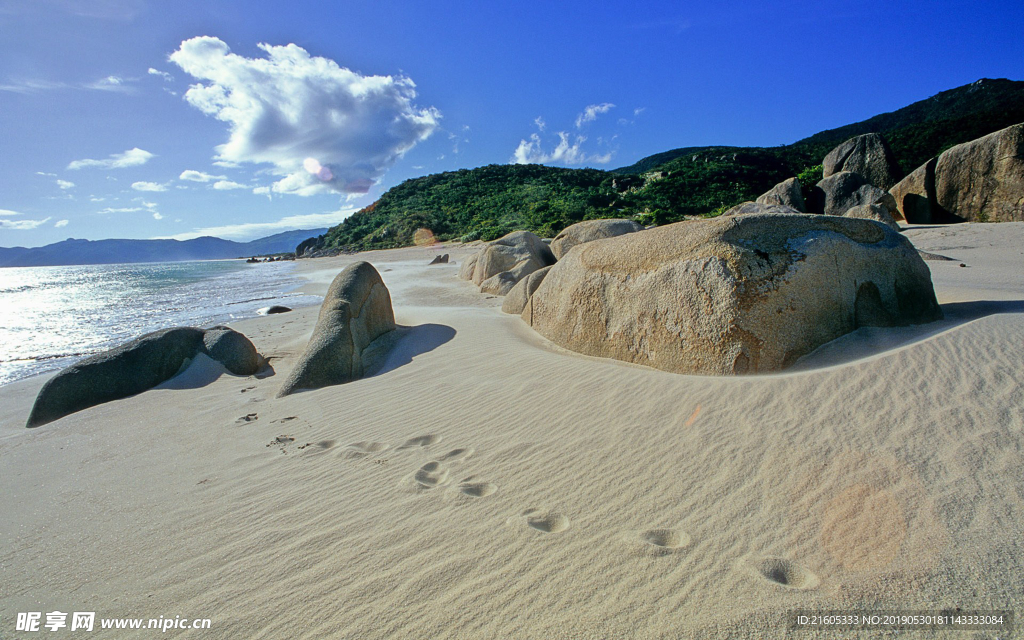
<point x="486" y="483"/>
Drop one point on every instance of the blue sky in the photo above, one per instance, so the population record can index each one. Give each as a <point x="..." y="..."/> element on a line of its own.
<point x="302" y="112"/>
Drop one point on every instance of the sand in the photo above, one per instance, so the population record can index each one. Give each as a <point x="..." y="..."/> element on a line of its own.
<point x="488" y="484"/>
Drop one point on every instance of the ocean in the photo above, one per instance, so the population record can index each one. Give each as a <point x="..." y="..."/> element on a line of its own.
<point x="52" y="316"/>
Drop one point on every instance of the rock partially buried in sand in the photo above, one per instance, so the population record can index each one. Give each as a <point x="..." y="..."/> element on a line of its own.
<point x="520" y="294"/>
<point x="875" y="212"/>
<point x="501" y="264"/>
<point x="441" y="259"/>
<point x="590" y="230"/>
<point x="742" y="294"/>
<point x="355" y="313"/>
<point x="137" y="366"/>
<point x="273" y="309"/>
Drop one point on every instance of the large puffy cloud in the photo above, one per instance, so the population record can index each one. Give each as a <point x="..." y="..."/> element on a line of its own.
<point x="323" y="127"/>
<point x="130" y="158"/>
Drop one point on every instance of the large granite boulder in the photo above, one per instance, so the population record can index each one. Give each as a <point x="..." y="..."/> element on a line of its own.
<point x="519" y="295"/>
<point x="502" y="263"/>
<point x="915" y="195"/>
<point x="875" y="212"/>
<point x="750" y="208"/>
<point x="867" y="155"/>
<point x="838" y="193"/>
<point x="137" y="366"/>
<point x="590" y="230"/>
<point x="787" y="193"/>
<point x="983" y="180"/>
<point x="977" y="181"/>
<point x="731" y="295"/>
<point x="355" y="313"/>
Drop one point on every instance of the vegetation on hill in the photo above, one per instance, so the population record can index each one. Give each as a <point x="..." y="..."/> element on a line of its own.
<point x="488" y="202"/>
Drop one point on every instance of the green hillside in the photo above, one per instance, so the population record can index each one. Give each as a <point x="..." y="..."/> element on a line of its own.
<point x="490" y="201"/>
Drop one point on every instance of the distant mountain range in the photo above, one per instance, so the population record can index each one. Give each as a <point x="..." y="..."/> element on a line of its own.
<point x="488" y="202"/>
<point x="72" y="251"/>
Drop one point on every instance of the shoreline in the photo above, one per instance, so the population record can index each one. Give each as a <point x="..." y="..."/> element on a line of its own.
<point x="572" y="493"/>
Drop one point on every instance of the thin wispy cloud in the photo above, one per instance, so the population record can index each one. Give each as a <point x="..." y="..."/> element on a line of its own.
<point x="130" y="158"/>
<point x="120" y="210"/>
<point x="567" y="151"/>
<point x="8" y="212"/>
<point x="191" y="175"/>
<point x="251" y="230"/>
<point x="591" y="112"/>
<point x="228" y="185"/>
<point x="321" y="127"/>
<point x="60" y="223"/>
<point x="163" y="74"/>
<point x="108" y="83"/>
<point x="149" y="186"/>
<point x="22" y="225"/>
<point x="64" y="184"/>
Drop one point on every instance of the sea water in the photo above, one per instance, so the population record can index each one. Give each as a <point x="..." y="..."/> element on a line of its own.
<point x="52" y="316"/>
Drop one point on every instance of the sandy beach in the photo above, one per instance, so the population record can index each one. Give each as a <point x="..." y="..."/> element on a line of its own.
<point x="486" y="483"/>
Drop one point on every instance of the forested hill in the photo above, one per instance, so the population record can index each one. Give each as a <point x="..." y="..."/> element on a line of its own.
<point x="490" y="201"/>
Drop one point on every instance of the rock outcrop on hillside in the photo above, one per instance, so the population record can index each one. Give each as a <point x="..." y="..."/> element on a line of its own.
<point x="742" y="294"/>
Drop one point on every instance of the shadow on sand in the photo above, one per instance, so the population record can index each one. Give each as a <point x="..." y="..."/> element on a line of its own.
<point x="411" y="342"/>
<point x="871" y="341"/>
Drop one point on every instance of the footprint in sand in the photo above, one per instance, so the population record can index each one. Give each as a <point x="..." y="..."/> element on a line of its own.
<point x="548" y="522"/>
<point x="420" y="441"/>
<point x="457" y="455"/>
<point x="364" y="448"/>
<point x="664" y="540"/>
<point x="477" y="489"/>
<point x="251" y="417"/>
<point x="431" y="475"/>
<point x="786" y="573"/>
<point x="323" y="445"/>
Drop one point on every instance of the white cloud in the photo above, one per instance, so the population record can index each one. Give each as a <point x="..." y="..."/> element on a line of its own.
<point x="130" y="158"/>
<point x="252" y="230"/>
<point x="111" y="83"/>
<point x="8" y="212"/>
<point x="639" y="110"/>
<point x="157" y="216"/>
<point x="64" y="184"/>
<point x="148" y="205"/>
<point x="591" y="112"/>
<point x="192" y="175"/>
<point x="96" y="199"/>
<point x="120" y="210"/>
<point x="163" y="74"/>
<point x="539" y="121"/>
<point x="43" y="173"/>
<point x="149" y="186"/>
<point x="60" y="223"/>
<point x="225" y="185"/>
<point x="531" y="152"/>
<point x="22" y="225"/>
<point x="290" y="107"/>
